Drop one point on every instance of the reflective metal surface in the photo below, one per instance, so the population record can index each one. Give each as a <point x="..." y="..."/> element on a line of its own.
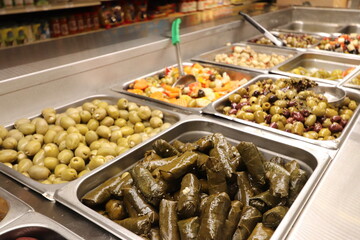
<point x="312" y="159"/>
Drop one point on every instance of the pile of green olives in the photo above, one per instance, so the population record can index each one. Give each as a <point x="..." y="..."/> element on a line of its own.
<point x="289" y="105"/>
<point x="60" y="147"/>
<point x="319" y="73"/>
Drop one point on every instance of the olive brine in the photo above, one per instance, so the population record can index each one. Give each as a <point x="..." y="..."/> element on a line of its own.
<point x="288" y="104"/>
<point x="60" y="147"/>
<point x="207" y="189"/>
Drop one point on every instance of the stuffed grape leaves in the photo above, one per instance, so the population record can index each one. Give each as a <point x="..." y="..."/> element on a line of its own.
<point x="264" y="201"/>
<point x="279" y="179"/>
<point x="213" y="216"/>
<point x="245" y="191"/>
<point x="291" y="166"/>
<point x="168" y="220"/>
<point x="151" y="165"/>
<point x="232" y="219"/>
<point x="115" y="209"/>
<point x="164" y="149"/>
<point x="261" y="232"/>
<point x="273" y="217"/>
<point x="250" y="216"/>
<point x="216" y="181"/>
<point x="189" y="198"/>
<point x="253" y="161"/>
<point x="138" y="225"/>
<point x="154" y="234"/>
<point x="189" y="228"/>
<point x="298" y="179"/>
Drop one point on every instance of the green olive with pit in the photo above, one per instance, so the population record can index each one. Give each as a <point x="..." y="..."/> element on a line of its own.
<point x="39" y="157"/>
<point x="85" y="116"/>
<point x="51" y="163"/>
<point x="72" y="141"/>
<point x="235" y="98"/>
<point x="115" y="135"/>
<point x="51" y="150"/>
<point x="10" y="143"/>
<point x="8" y="156"/>
<point x="324" y="132"/>
<point x="156" y="122"/>
<point x="107" y="121"/>
<point x="157" y="113"/>
<point x="122" y="103"/>
<point x="49" y="115"/>
<point x="83" y="152"/>
<point x="38" y="137"/>
<point x="127" y="130"/>
<point x="49" y="136"/>
<point x="310" y="120"/>
<point x="68" y="174"/>
<point x="90" y="107"/>
<point x="112" y="111"/>
<point x="96" y="162"/>
<point x="27" y="128"/>
<point x="21" y="144"/>
<point x="32" y="148"/>
<point x="298" y="128"/>
<point x="66" y="122"/>
<point x="134" y="140"/>
<point x="15" y="134"/>
<point x="91" y="136"/>
<point x="124" y="114"/>
<point x="144" y="112"/>
<point x="38" y="172"/>
<point x="104" y="132"/>
<point x="77" y="163"/>
<point x="65" y="156"/>
<point x="3" y="132"/>
<point x="311" y="135"/>
<point x="318" y="111"/>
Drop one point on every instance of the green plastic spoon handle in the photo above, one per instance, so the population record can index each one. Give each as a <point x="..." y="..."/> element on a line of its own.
<point x="175" y="31"/>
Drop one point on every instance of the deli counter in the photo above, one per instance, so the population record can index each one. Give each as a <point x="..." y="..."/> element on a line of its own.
<point x="119" y="69"/>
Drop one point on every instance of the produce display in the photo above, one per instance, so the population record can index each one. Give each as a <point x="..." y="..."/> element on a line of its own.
<point x="291" y="40"/>
<point x="342" y="44"/>
<point x="247" y="57"/>
<point x="207" y="189"/>
<point x="60" y="147"/>
<point x="289" y="105"/>
<point x="335" y="74"/>
<point x="210" y="85"/>
<point x="4" y="208"/>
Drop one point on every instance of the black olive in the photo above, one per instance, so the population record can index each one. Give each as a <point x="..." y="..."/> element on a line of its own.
<point x="346" y="41"/>
<point x="212" y="77"/>
<point x="273" y="98"/>
<point x="201" y="93"/>
<point x="337" y="45"/>
<point x="162" y="75"/>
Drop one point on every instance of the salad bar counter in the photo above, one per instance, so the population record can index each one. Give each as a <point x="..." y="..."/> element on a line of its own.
<point x="260" y="146"/>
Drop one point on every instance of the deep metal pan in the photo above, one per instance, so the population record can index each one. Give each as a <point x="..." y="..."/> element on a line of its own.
<point x="209" y="57"/>
<point x="313" y="159"/>
<point x="36" y="225"/>
<point x="324" y="61"/>
<point x="48" y="190"/>
<point x="216" y="110"/>
<point x="17" y="207"/>
<point x="277" y="33"/>
<point x="351" y="81"/>
<point x="324" y="29"/>
<point x="233" y="74"/>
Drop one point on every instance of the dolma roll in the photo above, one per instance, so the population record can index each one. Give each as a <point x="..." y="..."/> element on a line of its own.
<point x="189" y="228"/>
<point x="298" y="179"/>
<point x="250" y="216"/>
<point x="164" y="149"/>
<point x="273" y="217"/>
<point x="253" y="161"/>
<point x="264" y="201"/>
<point x="261" y="232"/>
<point x="245" y="190"/>
<point x="201" y="161"/>
<point x="204" y="185"/>
<point x="154" y="234"/>
<point x="204" y="198"/>
<point x="151" y="165"/>
<point x="127" y="181"/>
<point x="291" y="166"/>
<point x="132" y="199"/>
<point x="189" y="198"/>
<point x="232" y="219"/>
<point x="178" y="167"/>
<point x="138" y="225"/>
<point x="168" y="220"/>
<point x="146" y="183"/>
<point x="115" y="209"/>
<point x="216" y="181"/>
<point x="279" y="179"/>
<point x="204" y="144"/>
<point x="213" y="217"/>
<point x="277" y="160"/>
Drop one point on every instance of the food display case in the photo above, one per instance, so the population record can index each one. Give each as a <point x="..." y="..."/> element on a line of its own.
<point x="107" y="72"/>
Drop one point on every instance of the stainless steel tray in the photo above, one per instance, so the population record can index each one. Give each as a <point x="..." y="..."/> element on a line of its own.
<point x="311" y="27"/>
<point x="17" y="208"/>
<point x="312" y="159"/>
<point x="349" y="82"/>
<point x="324" y="61"/>
<point x="234" y="74"/>
<point x="276" y="33"/>
<point x="48" y="190"/>
<point x="33" y="224"/>
<point x="209" y="57"/>
<point x="215" y="109"/>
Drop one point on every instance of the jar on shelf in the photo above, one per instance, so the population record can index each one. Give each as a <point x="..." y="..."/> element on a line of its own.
<point x="64" y="29"/>
<point x="87" y="22"/>
<point x="95" y="20"/>
<point x="72" y="24"/>
<point x="55" y="27"/>
<point x="80" y="22"/>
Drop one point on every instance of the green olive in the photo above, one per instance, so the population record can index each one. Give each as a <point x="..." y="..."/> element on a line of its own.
<point x="122" y="142"/>
<point x="266" y="106"/>
<point x="93" y="124"/>
<point x="324" y="132"/>
<point x="21" y="121"/>
<point x="66" y="122"/>
<point x="99" y="114"/>
<point x="85" y="116"/>
<point x="15" y="134"/>
<point x="62" y="145"/>
<point x="120" y="122"/>
<point x="38" y="137"/>
<point x="144" y="112"/>
<point x="10" y="143"/>
<point x="96" y="162"/>
<point x="77" y="163"/>
<point x="352" y="105"/>
<point x="235" y="98"/>
<point x="139" y="127"/>
<point x="49" y="136"/>
<point x="91" y="136"/>
<point x="51" y="162"/>
<point x="72" y="141"/>
<point x="3" y="132"/>
<point x="83" y="172"/>
<point x="59" y="181"/>
<point x="90" y="107"/>
<point x="104" y="132"/>
<point x="38" y="172"/>
<point x="115" y="135"/>
<point x="134" y="117"/>
<point x="310" y="120"/>
<point x="75" y="116"/>
<point x="124" y="114"/>
<point x="112" y="111"/>
<point x="101" y="104"/>
<point x="83" y="152"/>
<point x="72" y="129"/>
<point x="330" y="112"/>
<point x="157" y="113"/>
<point x="68" y="174"/>
<point x="298" y="128"/>
<point x="60" y="136"/>
<point x="21" y="155"/>
<point x="105" y="151"/>
<point x="22" y="143"/>
<point x="56" y="128"/>
<point x="26" y="128"/>
<point x="49" y="115"/>
<point x="156" y="122"/>
<point x="165" y="126"/>
<point x="132" y="107"/>
<point x="134" y="140"/>
<point x="95" y="145"/>
<point x="51" y="150"/>
<point x="326" y="123"/>
<point x="65" y="156"/>
<point x="107" y="121"/>
<point x="46" y="181"/>
<point x="126" y="130"/>
<point x="32" y="148"/>
<point x="82" y="128"/>
<point x="39" y="157"/>
<point x="311" y="135"/>
<point x="276" y="117"/>
<point x="8" y="156"/>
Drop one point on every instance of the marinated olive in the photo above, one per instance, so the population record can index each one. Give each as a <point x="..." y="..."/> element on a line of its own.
<point x="65" y="156"/>
<point x="68" y="174"/>
<point x="10" y="143"/>
<point x="39" y="172"/>
<point x="77" y="163"/>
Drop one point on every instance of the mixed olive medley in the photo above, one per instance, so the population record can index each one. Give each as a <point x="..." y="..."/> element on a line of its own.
<point x="346" y="43"/>
<point x="60" y="147"/>
<point x="4" y="208"/>
<point x="247" y="57"/>
<point x="291" y="40"/>
<point x="207" y="189"/>
<point x="289" y="105"/>
<point x="335" y="74"/>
